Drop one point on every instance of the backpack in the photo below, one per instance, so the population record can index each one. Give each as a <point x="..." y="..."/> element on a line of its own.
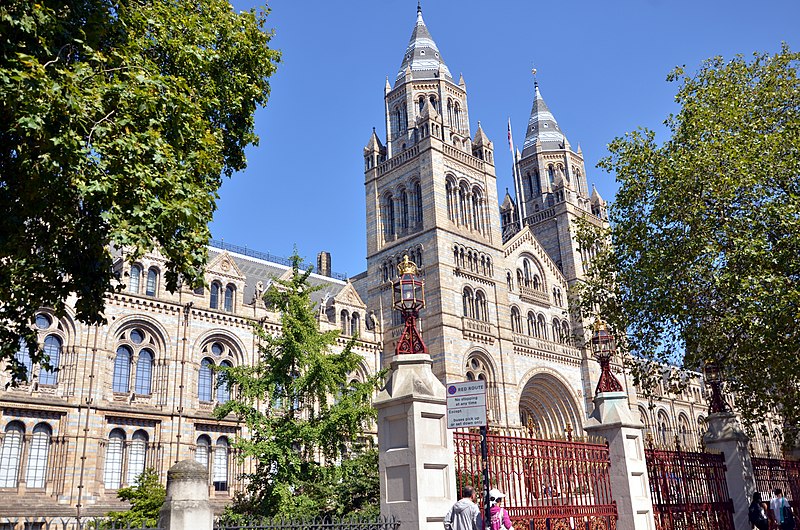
<point x="756" y="514"/>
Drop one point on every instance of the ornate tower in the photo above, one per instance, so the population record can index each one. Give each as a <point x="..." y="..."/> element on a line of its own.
<point x="431" y="193"/>
<point x="551" y="179"/>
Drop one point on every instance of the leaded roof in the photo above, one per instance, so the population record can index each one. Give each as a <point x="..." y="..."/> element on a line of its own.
<point x="422" y="55"/>
<point x="542" y="126"/>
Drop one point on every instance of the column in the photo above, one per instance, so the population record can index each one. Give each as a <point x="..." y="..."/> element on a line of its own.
<point x="726" y="435"/>
<point x="416" y="464"/>
<point x="612" y="419"/>
<point x="186" y="506"/>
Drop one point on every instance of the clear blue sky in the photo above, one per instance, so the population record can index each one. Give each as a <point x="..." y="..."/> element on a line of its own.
<point x="601" y="70"/>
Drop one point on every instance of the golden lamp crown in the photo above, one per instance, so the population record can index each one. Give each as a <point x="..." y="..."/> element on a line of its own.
<point x="406" y="266"/>
<point x="600" y="325"/>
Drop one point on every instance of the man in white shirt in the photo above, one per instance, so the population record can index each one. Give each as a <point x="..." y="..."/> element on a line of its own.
<point x="780" y="515"/>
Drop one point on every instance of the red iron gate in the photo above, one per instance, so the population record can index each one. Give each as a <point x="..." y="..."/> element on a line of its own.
<point x="689" y="490"/>
<point x="771" y="473"/>
<point x="549" y="484"/>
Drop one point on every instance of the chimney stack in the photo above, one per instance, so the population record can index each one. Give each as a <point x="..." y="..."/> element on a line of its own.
<point x="324" y="263"/>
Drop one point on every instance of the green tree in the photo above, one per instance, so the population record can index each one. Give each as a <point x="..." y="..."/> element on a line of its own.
<point x="303" y="412"/>
<point x="705" y="232"/>
<point x="146" y="498"/>
<point x="120" y="118"/>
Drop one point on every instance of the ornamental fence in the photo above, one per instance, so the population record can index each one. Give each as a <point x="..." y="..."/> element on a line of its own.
<point x="549" y="484"/>
<point x="771" y="473"/>
<point x="318" y="523"/>
<point x="688" y="489"/>
<point x="67" y="523"/>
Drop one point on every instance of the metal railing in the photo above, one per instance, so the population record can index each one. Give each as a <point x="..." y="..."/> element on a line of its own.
<point x="771" y="473"/>
<point x="318" y="523"/>
<point x="266" y="256"/>
<point x="555" y="482"/>
<point x="688" y="489"/>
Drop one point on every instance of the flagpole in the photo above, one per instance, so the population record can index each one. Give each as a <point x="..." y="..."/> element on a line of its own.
<point x="515" y="174"/>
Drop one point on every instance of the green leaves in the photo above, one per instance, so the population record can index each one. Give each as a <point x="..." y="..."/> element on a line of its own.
<point x="304" y="411"/>
<point x="120" y="119"/>
<point x="146" y="498"/>
<point x="706" y="231"/>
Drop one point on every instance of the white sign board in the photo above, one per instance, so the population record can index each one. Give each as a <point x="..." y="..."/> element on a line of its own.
<point x="466" y="404"/>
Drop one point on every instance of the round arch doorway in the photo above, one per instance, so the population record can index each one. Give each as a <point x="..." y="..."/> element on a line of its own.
<point x="548" y="407"/>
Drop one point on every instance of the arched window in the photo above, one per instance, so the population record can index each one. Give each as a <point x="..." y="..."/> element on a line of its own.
<point x="388" y="217"/>
<point x="202" y="450"/>
<point x="510" y="281"/>
<point x="223" y="388"/>
<point x="215" y="289"/>
<point x="520" y="278"/>
<point x="451" y="201"/>
<point x="463" y="218"/>
<point x="144" y="371"/>
<point x="112" y="472"/>
<point x="481" y="309"/>
<point x="122" y="370"/>
<point x="10" y="453"/>
<point x="344" y="321"/>
<point x="556" y="330"/>
<point x="469" y="303"/>
<point x="229" y="292"/>
<point x="565" y="332"/>
<point x="152" y="282"/>
<point x="551" y="175"/>
<point x="542" y="327"/>
<point x="526" y="267"/>
<point x="221" y="465"/>
<point x="516" y="321"/>
<point x="355" y="324"/>
<point x="52" y="348"/>
<point x="36" y="470"/>
<point x="404" y="222"/>
<point x="204" y="382"/>
<point x="136" y="274"/>
<point x="24" y="357"/>
<point x="418" y="203"/>
<point x="536" y="282"/>
<point x="531" y="324"/>
<point x="137" y="456"/>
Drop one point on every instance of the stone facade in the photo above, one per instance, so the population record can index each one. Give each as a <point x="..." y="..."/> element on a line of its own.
<point x="138" y="393"/>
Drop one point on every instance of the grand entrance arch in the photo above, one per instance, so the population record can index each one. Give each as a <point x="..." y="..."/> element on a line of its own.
<point x="548" y="406"/>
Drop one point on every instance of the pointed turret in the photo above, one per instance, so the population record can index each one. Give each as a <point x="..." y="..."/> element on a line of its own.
<point x="422" y="57"/>
<point x="374" y="152"/>
<point x="374" y="144"/>
<point x="508" y="203"/>
<point x="542" y="127"/>
<point x="598" y="204"/>
<point x="481" y="140"/>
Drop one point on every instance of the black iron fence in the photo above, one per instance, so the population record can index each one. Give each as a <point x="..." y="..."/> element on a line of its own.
<point x="317" y="523"/>
<point x="67" y="523"/>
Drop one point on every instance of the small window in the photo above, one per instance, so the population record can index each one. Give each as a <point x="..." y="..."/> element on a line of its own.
<point x="214" y="295"/>
<point x="144" y="372"/>
<point x="112" y="472"/>
<point x="216" y="348"/>
<point x="122" y="370"/>
<point x="52" y="348"/>
<point x="223" y="388"/>
<point x="202" y="450"/>
<point x="10" y="453"/>
<point x="204" y="384"/>
<point x="137" y="456"/>
<point x="152" y="282"/>
<point x="229" y="291"/>
<point x="43" y="321"/>
<point x="136" y="336"/>
<point x="221" y="465"/>
<point x="36" y="470"/>
<point x="136" y="274"/>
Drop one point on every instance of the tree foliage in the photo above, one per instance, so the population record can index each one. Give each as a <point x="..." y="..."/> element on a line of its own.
<point x="146" y="498"/>
<point x="119" y="119"/>
<point x="705" y="232"/>
<point x="304" y="413"/>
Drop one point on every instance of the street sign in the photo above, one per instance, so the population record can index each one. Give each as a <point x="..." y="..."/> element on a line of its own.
<point x="466" y="404"/>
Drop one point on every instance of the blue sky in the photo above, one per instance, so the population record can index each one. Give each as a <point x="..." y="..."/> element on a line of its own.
<point x="601" y="68"/>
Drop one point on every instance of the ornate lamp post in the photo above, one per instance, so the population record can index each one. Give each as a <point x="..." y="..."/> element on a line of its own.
<point x="712" y="373"/>
<point x="408" y="297"/>
<point x="603" y="348"/>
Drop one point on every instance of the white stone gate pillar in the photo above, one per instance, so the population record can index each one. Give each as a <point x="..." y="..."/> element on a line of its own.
<point x="630" y="487"/>
<point x="726" y="435"/>
<point x="417" y="457"/>
<point x="186" y="506"/>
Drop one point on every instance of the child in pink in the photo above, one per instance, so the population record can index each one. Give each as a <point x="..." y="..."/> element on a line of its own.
<point x="499" y="515"/>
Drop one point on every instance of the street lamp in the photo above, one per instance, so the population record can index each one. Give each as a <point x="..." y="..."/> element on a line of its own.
<point x="603" y="349"/>
<point x="712" y="376"/>
<point x="408" y="297"/>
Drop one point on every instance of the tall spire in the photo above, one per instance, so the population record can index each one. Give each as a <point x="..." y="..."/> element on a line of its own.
<point x="422" y="56"/>
<point x="542" y="126"/>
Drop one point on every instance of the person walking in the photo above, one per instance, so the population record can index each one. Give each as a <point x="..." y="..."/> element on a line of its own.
<point x="757" y="514"/>
<point x="498" y="514"/>
<point x="781" y="510"/>
<point x="464" y="514"/>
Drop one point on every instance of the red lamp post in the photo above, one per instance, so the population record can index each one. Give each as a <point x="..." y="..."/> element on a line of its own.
<point x="603" y="348"/>
<point x="408" y="297"/>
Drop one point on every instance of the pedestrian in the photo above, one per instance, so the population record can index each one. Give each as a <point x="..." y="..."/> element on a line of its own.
<point x="499" y="515"/>
<point x="756" y="514"/>
<point x="781" y="510"/>
<point x="464" y="514"/>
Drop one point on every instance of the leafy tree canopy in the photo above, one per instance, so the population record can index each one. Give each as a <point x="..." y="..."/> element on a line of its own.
<point x="146" y="498"/>
<point x="705" y="231"/>
<point x="304" y="411"/>
<point x="119" y="119"/>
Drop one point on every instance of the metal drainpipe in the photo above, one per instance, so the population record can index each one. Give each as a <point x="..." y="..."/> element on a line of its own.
<point x="187" y="312"/>
<point x="86" y="426"/>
